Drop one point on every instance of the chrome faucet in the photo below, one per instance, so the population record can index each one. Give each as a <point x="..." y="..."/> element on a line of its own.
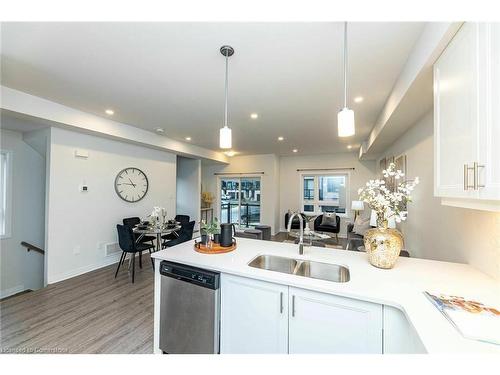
<point x="301" y="231"/>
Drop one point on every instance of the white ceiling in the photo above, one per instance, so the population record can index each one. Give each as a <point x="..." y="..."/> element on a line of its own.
<point x="171" y="75"/>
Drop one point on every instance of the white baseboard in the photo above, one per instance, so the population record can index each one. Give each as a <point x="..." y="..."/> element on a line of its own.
<point x="11" y="291"/>
<point x="81" y="270"/>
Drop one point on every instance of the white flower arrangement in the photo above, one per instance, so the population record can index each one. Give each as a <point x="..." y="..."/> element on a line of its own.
<point x="158" y="215"/>
<point x="385" y="202"/>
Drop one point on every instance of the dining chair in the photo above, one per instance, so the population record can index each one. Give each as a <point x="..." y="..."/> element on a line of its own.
<point x="183" y="219"/>
<point x="132" y="222"/>
<point x="185" y="234"/>
<point x="126" y="240"/>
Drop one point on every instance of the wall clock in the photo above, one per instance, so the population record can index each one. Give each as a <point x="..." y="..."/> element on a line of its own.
<point x="131" y="184"/>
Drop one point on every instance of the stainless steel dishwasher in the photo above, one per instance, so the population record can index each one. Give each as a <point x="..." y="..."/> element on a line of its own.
<point x="189" y="309"/>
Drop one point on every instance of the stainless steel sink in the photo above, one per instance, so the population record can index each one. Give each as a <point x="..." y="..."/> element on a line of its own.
<point x="305" y="268"/>
<point x="274" y="263"/>
<point x="323" y="271"/>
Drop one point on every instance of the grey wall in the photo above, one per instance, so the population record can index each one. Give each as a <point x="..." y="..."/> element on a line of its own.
<point x="20" y="270"/>
<point x="434" y="231"/>
<point x="189" y="188"/>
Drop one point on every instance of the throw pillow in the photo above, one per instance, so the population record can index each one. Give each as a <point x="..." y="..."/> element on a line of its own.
<point x="329" y="218"/>
<point x="361" y="225"/>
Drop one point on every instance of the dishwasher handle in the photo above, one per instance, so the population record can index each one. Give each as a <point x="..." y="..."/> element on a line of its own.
<point x="204" y="278"/>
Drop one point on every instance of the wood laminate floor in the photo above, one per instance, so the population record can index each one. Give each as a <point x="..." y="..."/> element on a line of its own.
<point x="90" y="313"/>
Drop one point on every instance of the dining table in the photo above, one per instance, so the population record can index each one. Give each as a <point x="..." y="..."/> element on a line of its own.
<point x="157" y="231"/>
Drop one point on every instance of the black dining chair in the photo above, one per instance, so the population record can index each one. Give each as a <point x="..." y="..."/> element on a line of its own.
<point x="127" y="243"/>
<point x="185" y="234"/>
<point x="183" y="219"/>
<point x="131" y="222"/>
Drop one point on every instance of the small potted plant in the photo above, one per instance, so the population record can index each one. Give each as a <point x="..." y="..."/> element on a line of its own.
<point x="210" y="231"/>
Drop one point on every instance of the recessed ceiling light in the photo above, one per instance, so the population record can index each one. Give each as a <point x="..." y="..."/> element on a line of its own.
<point x="295" y="150"/>
<point x="230" y="153"/>
<point x="109" y="112"/>
<point x="254" y="116"/>
<point x="349" y="147"/>
<point x="280" y="138"/>
<point x="358" y="99"/>
<point x="159" y="130"/>
<point x="187" y="138"/>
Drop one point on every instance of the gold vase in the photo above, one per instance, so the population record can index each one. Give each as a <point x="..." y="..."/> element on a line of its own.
<point x="383" y="245"/>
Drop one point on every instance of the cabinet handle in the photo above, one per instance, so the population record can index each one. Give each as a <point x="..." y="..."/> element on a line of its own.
<point x="476" y="176"/>
<point x="467" y="186"/>
<point x="293" y="305"/>
<point x="281" y="303"/>
<point x="466" y="177"/>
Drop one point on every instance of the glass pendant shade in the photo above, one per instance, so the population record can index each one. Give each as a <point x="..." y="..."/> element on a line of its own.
<point x="225" y="137"/>
<point x="345" y="120"/>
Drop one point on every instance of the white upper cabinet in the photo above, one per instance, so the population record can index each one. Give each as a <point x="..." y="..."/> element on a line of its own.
<point x="254" y="316"/>
<point x="489" y="155"/>
<point x="327" y="324"/>
<point x="466" y="119"/>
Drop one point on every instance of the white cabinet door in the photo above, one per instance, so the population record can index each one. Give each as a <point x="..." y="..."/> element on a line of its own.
<point x="254" y="316"/>
<point x="399" y="335"/>
<point x="489" y="175"/>
<point x="323" y="323"/>
<point x="456" y="114"/>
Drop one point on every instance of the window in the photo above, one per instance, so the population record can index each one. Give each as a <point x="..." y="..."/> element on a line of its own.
<point x="240" y="201"/>
<point x="325" y="192"/>
<point x="4" y="194"/>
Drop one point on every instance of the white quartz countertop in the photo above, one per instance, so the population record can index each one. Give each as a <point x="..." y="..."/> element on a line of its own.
<point x="401" y="287"/>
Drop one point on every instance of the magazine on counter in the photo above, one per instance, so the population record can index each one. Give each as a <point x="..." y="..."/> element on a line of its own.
<point x="472" y="319"/>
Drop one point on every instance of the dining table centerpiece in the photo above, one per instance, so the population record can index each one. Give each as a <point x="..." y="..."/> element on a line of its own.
<point x="158" y="217"/>
<point x="382" y="244"/>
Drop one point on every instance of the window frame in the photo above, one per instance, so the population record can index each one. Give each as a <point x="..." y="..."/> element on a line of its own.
<point x="239" y="177"/>
<point x="316" y="202"/>
<point x="6" y="195"/>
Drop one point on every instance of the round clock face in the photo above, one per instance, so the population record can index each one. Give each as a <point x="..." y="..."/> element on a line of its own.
<point x="131" y="184"/>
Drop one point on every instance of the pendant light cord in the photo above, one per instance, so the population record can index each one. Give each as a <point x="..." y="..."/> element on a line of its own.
<point x="345" y="64"/>
<point x="225" y="106"/>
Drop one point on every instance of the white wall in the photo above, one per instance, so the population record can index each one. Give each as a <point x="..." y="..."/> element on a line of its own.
<point x="269" y="164"/>
<point x="440" y="232"/>
<point x="189" y="188"/>
<point x="79" y="224"/>
<point x="290" y="184"/>
<point x="19" y="269"/>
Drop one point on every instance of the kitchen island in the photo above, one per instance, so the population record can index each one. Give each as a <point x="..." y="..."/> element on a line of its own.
<point x="399" y="289"/>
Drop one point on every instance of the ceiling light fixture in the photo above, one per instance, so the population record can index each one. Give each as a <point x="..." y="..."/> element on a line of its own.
<point x="159" y="130"/>
<point x="225" y="141"/>
<point x="230" y="153"/>
<point x="109" y="112"/>
<point x="295" y="150"/>
<point x="187" y="138"/>
<point x="345" y="117"/>
<point x="358" y="99"/>
<point x="280" y="138"/>
<point x="254" y="116"/>
<point x="349" y="147"/>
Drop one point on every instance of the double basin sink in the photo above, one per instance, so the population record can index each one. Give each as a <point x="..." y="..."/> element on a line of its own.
<point x="299" y="267"/>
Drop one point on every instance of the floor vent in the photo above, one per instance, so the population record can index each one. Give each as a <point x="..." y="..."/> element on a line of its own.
<point x="112" y="248"/>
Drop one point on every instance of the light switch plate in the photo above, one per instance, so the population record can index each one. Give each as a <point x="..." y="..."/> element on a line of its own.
<point x="83" y="154"/>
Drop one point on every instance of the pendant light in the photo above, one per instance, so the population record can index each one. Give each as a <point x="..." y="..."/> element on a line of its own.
<point x="225" y="132"/>
<point x="345" y="117"/>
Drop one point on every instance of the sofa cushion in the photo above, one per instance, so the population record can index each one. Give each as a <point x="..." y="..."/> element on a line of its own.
<point x="361" y="225"/>
<point x="329" y="218"/>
